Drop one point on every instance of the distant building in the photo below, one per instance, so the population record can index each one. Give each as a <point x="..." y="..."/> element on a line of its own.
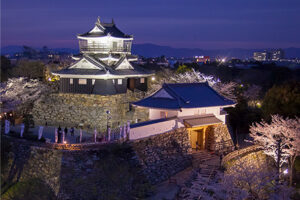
<point x="276" y="55"/>
<point x="105" y="66"/>
<point x="202" y="59"/>
<point x="260" y="56"/>
<point x="269" y="55"/>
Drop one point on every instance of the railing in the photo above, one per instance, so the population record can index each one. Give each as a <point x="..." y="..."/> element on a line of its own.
<point x="105" y="49"/>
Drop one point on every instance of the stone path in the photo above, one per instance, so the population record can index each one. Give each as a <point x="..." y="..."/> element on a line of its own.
<point x="202" y="160"/>
<point x="48" y="132"/>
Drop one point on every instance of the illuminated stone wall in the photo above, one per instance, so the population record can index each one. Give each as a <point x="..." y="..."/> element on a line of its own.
<point x="218" y="138"/>
<point x="89" y="110"/>
<point x="106" y="172"/>
<point x="163" y="155"/>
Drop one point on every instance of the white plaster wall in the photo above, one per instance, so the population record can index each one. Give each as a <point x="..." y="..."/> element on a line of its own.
<point x="155" y="113"/>
<point x="154" y="129"/>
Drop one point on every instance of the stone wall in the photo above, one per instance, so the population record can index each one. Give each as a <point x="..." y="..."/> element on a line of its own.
<point x="218" y="138"/>
<point x="163" y="155"/>
<point x="107" y="171"/>
<point x="90" y="110"/>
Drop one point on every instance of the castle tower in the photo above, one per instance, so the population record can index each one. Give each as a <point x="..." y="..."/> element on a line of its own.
<point x="105" y="66"/>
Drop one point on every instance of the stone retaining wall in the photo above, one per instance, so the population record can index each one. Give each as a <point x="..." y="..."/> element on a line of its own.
<point x="219" y="138"/>
<point x="90" y="110"/>
<point x="163" y="155"/>
<point x="241" y="152"/>
<point x="110" y="171"/>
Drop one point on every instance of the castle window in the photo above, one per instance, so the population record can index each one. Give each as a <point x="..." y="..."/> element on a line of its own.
<point x="142" y="80"/>
<point x="82" y="81"/>
<point x="71" y="81"/>
<point x="93" y="81"/>
<point x="119" y="81"/>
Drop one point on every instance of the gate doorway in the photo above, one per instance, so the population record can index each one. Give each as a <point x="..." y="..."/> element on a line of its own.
<point x="131" y="84"/>
<point x="197" y="138"/>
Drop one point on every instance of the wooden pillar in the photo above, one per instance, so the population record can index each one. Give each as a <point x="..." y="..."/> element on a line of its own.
<point x="204" y="143"/>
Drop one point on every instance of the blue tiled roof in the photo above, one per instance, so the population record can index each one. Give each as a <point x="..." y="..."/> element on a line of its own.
<point x="185" y="95"/>
<point x="151" y="122"/>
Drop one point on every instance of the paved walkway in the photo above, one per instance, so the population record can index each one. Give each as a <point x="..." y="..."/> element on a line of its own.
<point x="49" y="133"/>
<point x="169" y="189"/>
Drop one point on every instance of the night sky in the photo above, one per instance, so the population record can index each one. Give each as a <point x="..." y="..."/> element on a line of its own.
<point x="207" y="24"/>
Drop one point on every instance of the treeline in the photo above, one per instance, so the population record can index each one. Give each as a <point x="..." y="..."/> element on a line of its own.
<point x="264" y="75"/>
<point x="23" y="68"/>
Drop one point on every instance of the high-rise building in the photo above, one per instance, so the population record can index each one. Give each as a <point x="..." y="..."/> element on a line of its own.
<point x="269" y="55"/>
<point x="276" y="55"/>
<point x="260" y="56"/>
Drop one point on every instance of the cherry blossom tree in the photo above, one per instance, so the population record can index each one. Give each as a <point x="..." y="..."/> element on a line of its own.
<point x="242" y="180"/>
<point x="192" y="76"/>
<point x="280" y="140"/>
<point x="19" y="92"/>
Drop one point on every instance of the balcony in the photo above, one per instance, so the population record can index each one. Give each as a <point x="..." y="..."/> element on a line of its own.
<point x="92" y="49"/>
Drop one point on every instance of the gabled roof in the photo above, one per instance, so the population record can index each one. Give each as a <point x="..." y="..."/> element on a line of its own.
<point x="123" y="63"/>
<point x="184" y="95"/>
<point x="104" y="29"/>
<point x="90" y="65"/>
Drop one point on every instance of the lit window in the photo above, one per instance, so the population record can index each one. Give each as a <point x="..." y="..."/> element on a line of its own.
<point x="142" y="80"/>
<point x="119" y="81"/>
<point x="71" y="81"/>
<point x="82" y="81"/>
<point x="93" y="81"/>
<point x="113" y="81"/>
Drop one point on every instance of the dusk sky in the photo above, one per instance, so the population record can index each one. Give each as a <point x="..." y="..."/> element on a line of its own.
<point x="206" y="24"/>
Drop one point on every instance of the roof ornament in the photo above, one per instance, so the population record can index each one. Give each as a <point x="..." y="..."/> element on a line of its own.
<point x="112" y="21"/>
<point x="98" y="22"/>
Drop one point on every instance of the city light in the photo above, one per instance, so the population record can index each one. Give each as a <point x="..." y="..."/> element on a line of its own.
<point x="153" y="78"/>
<point x="286" y="171"/>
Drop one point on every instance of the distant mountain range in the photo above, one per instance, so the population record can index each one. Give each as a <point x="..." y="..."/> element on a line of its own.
<point x="152" y="50"/>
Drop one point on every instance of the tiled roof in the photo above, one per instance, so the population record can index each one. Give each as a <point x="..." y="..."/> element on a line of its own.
<point x="202" y="120"/>
<point x="185" y="95"/>
<point x="103" y="69"/>
<point x="149" y="122"/>
<point x="109" y="28"/>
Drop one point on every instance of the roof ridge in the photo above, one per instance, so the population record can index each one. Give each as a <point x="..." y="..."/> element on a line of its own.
<point x="221" y="96"/>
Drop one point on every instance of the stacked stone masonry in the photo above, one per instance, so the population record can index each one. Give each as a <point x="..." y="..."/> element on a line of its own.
<point x="164" y="155"/>
<point x="93" y="173"/>
<point x="219" y="138"/>
<point x="88" y="110"/>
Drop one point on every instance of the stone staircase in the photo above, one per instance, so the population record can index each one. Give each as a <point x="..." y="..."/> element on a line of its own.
<point x="203" y="156"/>
<point x="205" y="163"/>
<point x="206" y="166"/>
